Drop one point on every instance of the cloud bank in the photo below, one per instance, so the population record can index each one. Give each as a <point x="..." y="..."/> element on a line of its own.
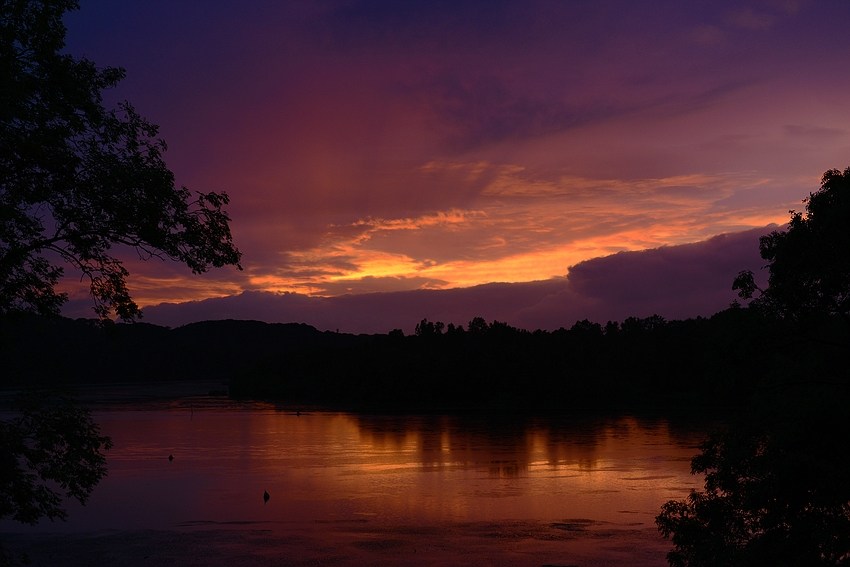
<point x="676" y="282"/>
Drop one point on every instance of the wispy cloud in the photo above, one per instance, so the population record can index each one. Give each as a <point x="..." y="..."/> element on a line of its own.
<point x="480" y="110"/>
<point x="675" y="282"/>
<point x="812" y="131"/>
<point x="526" y="226"/>
<point x="373" y="284"/>
<point x="750" y="19"/>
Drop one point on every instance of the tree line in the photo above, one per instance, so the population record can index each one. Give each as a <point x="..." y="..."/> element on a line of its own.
<point x="644" y="363"/>
<point x="723" y="360"/>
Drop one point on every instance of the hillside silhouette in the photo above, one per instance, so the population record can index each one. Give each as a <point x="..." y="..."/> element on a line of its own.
<point x="65" y="351"/>
<point x="718" y="361"/>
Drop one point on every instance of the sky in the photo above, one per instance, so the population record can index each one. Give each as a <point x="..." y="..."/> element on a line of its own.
<point x="388" y="161"/>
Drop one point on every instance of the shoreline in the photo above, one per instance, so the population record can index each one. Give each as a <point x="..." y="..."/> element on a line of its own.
<point x="209" y="393"/>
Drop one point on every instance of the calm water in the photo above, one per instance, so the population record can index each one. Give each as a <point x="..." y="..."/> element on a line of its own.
<point x="321" y="468"/>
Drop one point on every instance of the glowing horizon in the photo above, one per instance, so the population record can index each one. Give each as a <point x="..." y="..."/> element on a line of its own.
<point x="379" y="147"/>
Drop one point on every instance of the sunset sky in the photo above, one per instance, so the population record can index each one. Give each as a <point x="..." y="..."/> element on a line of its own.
<point x="398" y="146"/>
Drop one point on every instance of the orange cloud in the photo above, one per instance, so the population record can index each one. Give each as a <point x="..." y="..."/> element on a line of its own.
<point x="524" y="228"/>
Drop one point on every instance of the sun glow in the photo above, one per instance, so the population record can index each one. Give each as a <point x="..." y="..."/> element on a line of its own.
<point x="521" y="229"/>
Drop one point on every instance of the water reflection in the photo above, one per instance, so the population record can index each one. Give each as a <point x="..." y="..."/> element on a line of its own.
<point x="398" y="470"/>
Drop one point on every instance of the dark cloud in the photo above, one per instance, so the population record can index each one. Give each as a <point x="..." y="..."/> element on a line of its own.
<point x="448" y="26"/>
<point x="809" y="131"/>
<point x="477" y="108"/>
<point x="680" y="271"/>
<point x="82" y="307"/>
<point x="674" y="281"/>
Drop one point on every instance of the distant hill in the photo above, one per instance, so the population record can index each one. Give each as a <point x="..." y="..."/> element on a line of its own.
<point x="37" y="350"/>
<point x="639" y="363"/>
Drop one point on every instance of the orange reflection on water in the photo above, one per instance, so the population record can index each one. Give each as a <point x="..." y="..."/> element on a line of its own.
<point x="394" y="470"/>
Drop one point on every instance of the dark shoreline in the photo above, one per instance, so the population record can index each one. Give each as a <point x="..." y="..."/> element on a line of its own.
<point x="718" y="367"/>
<point x="201" y="394"/>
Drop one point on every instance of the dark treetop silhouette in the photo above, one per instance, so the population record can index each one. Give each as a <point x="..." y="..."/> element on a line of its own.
<point x="776" y="490"/>
<point x="51" y="450"/>
<point x="810" y="262"/>
<point x="77" y="179"/>
<point x="52" y="440"/>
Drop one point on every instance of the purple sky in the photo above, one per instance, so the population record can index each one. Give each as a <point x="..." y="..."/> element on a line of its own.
<point x="406" y="147"/>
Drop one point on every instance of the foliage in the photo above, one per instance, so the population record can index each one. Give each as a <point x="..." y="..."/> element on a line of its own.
<point x="645" y="363"/>
<point x="426" y="328"/>
<point x="52" y="443"/>
<point x="809" y="263"/>
<point x="77" y="179"/>
<point x="775" y="486"/>
<point x="774" y="495"/>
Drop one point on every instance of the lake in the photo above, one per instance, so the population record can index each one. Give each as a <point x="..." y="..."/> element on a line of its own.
<point x="352" y="489"/>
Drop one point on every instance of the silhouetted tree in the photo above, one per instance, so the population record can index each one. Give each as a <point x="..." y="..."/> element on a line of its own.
<point x="478" y="325"/>
<point x="426" y="328"/>
<point x="775" y="489"/>
<point x="586" y="328"/>
<point x="773" y="495"/>
<point x="77" y="179"/>
<point x="50" y="451"/>
<point x="809" y="263"/>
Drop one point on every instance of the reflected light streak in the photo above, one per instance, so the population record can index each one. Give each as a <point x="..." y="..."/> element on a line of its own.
<point x="381" y="474"/>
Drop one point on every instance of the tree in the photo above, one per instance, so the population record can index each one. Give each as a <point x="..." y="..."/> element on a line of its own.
<point x="77" y="179"/>
<point x="775" y="486"/>
<point x="51" y="450"/>
<point x="478" y="326"/>
<point x="426" y="328"/>
<point x="775" y="494"/>
<point x="52" y="440"/>
<point x="809" y="263"/>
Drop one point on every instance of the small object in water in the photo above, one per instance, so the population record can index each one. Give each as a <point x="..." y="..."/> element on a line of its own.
<point x="170" y="457"/>
<point x="265" y="496"/>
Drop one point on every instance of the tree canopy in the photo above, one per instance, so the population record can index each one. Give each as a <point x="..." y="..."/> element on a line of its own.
<point x="51" y="450"/>
<point x="775" y="494"/>
<point x="809" y="264"/>
<point x="78" y="179"/>
<point x="775" y="485"/>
